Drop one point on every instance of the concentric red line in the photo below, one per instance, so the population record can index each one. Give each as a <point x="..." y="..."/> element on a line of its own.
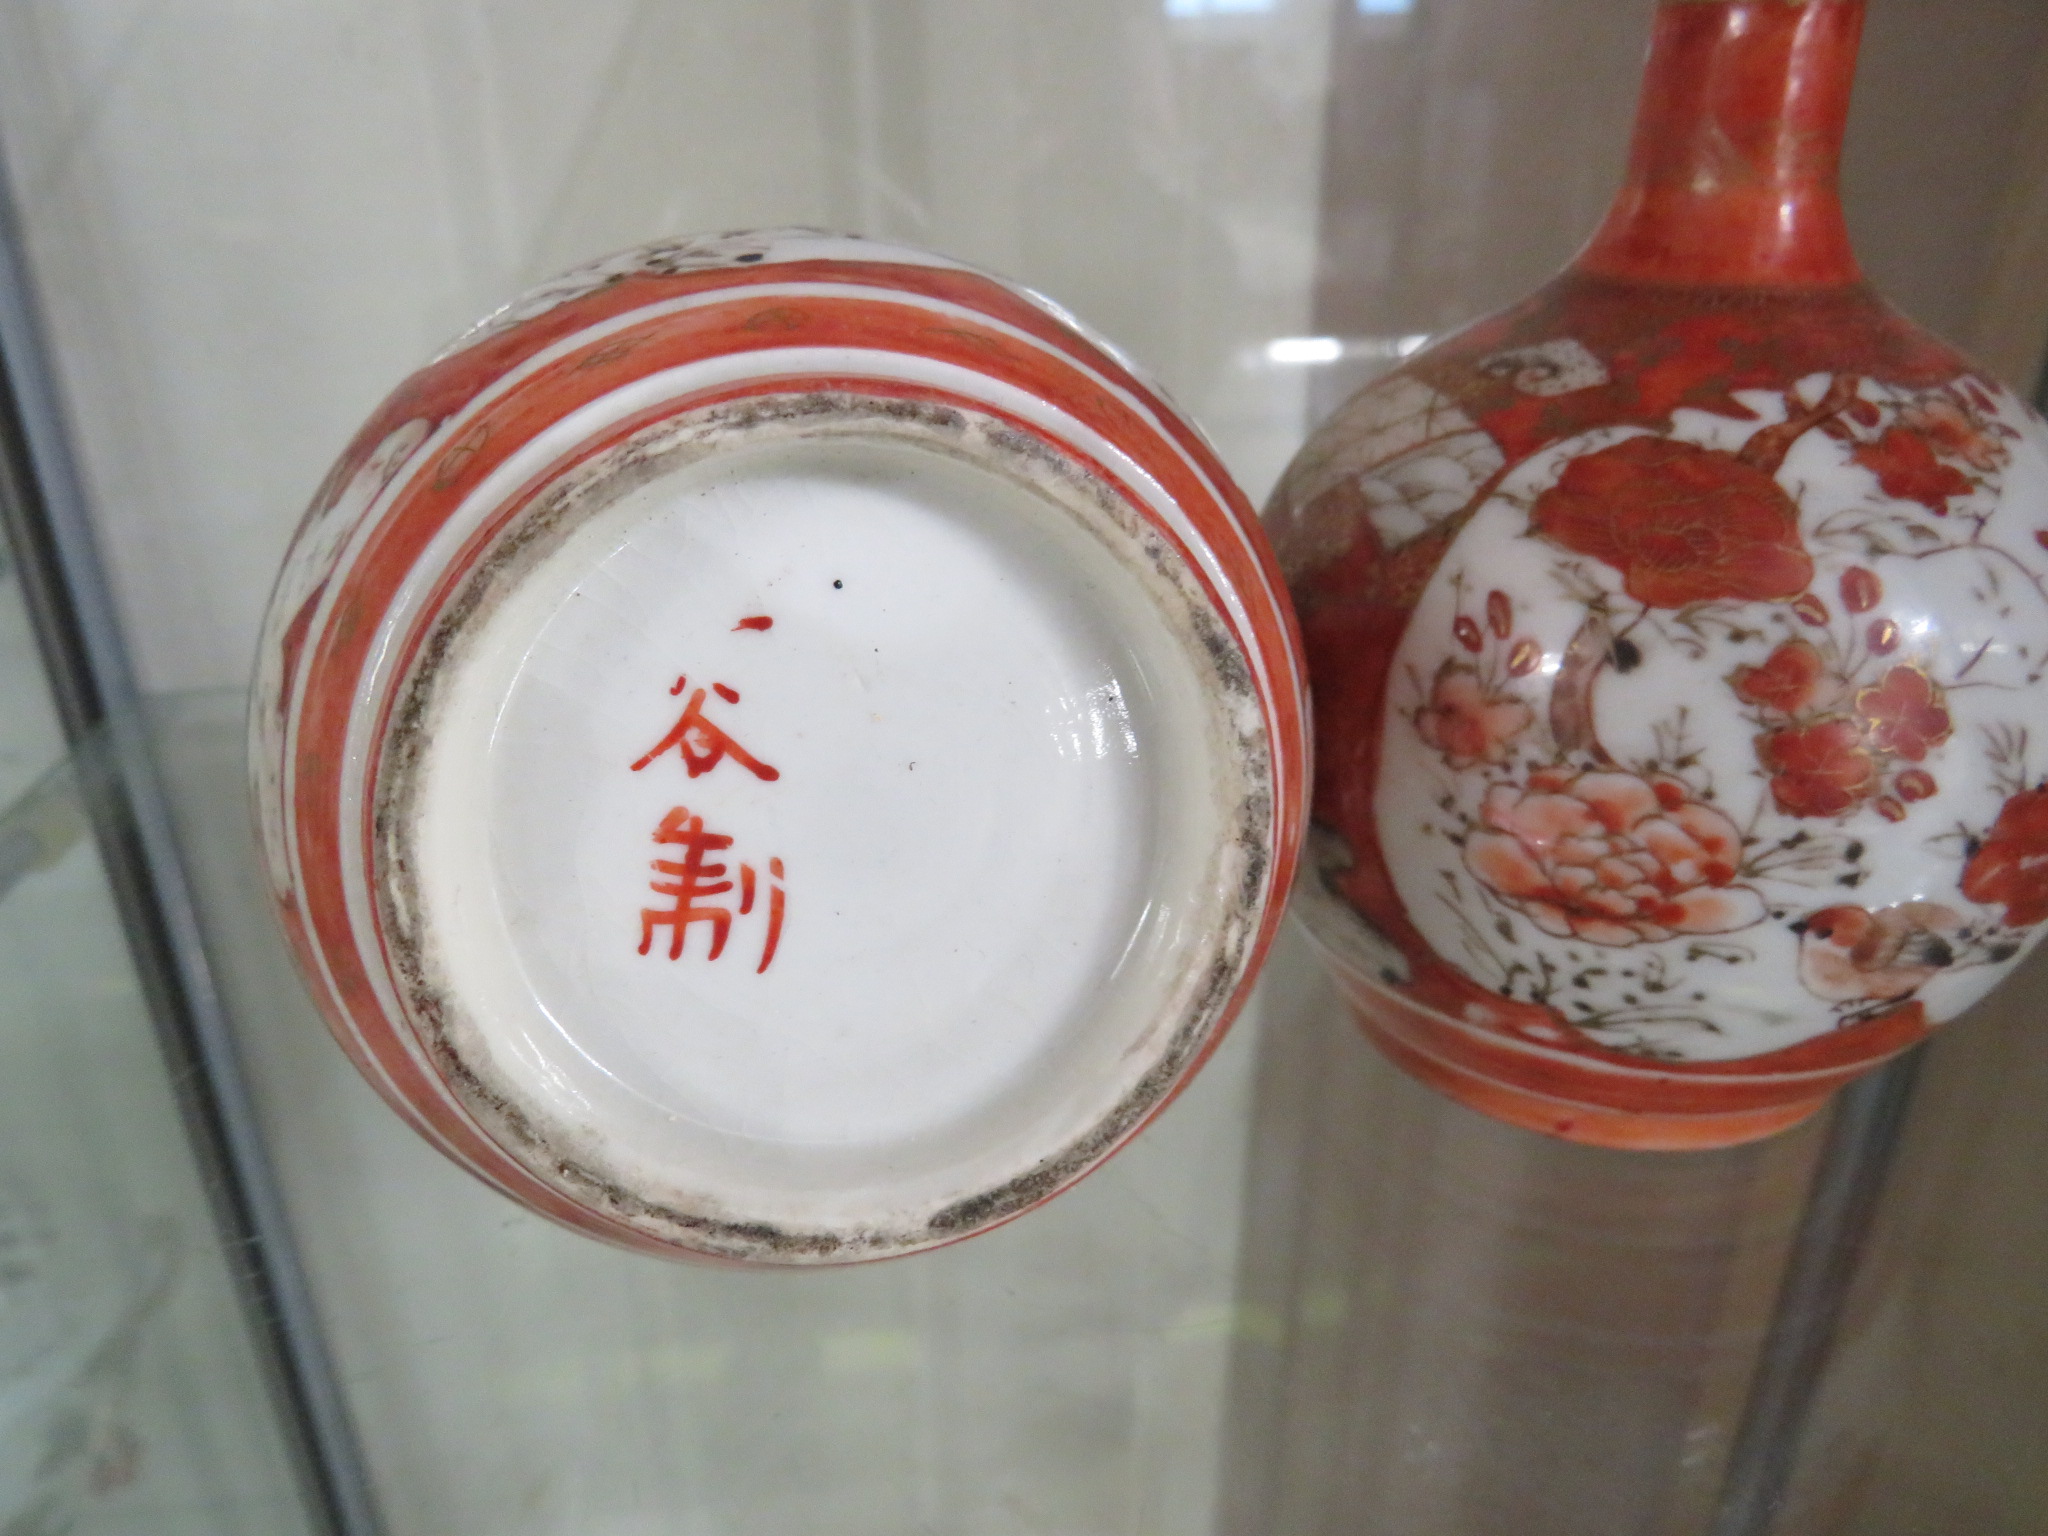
<point x="337" y="657"/>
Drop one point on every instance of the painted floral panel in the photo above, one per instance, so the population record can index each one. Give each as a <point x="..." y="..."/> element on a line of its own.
<point x="1713" y="716"/>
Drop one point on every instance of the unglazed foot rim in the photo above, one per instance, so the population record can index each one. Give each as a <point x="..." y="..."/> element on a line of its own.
<point x="1020" y="782"/>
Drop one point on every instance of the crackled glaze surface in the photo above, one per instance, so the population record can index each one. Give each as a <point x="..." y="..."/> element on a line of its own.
<point x="779" y="748"/>
<point x="1681" y="650"/>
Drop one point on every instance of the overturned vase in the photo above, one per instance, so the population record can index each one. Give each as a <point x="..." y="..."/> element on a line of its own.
<point x="1677" y="640"/>
<point x="779" y="748"/>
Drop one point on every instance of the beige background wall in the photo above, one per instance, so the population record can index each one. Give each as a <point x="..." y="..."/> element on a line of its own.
<point x="250" y="220"/>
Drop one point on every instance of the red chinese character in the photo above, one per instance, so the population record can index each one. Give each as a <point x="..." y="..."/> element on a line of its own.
<point x="702" y="745"/>
<point x="690" y="881"/>
<point x="774" y="908"/>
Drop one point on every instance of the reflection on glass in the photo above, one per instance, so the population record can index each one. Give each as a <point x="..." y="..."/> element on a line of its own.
<point x="1217" y="7"/>
<point x="1480" y="1329"/>
<point x="74" y="1302"/>
<point x="130" y="1398"/>
<point x="1294" y="351"/>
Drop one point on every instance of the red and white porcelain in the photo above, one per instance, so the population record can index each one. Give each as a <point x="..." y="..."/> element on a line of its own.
<point x="1679" y="639"/>
<point x="779" y="748"/>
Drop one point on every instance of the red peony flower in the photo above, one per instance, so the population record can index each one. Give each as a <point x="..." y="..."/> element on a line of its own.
<point x="1906" y="468"/>
<point x="1611" y="858"/>
<point x="1854" y="955"/>
<point x="1955" y="431"/>
<point x="1904" y="713"/>
<point x="1683" y="524"/>
<point x="2010" y="867"/>
<point x="1818" y="770"/>
<point x="1785" y="682"/>
<point x="1466" y="724"/>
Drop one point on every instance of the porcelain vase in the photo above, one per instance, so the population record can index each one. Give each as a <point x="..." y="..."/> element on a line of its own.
<point x="1677" y="640"/>
<point x="779" y="748"/>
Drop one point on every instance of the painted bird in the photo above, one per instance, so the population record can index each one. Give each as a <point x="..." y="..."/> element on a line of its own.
<point x="1852" y="955"/>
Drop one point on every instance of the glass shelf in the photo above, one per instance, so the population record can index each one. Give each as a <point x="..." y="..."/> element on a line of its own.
<point x="1314" y="1288"/>
<point x="131" y="1396"/>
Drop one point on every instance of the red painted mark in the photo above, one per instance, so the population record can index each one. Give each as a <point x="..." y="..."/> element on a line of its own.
<point x="689" y="881"/>
<point x="755" y="621"/>
<point x="701" y="745"/>
<point x="774" y="916"/>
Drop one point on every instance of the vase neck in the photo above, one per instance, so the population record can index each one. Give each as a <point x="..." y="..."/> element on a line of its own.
<point x="1738" y="141"/>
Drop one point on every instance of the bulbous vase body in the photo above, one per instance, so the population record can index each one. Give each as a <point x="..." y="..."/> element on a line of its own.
<point x="1679" y="645"/>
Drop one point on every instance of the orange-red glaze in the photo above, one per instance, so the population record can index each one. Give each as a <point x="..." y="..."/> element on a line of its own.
<point x="1723" y="266"/>
<point x="1738" y="140"/>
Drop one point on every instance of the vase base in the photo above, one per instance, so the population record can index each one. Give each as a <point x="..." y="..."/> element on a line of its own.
<point x="1594" y="1125"/>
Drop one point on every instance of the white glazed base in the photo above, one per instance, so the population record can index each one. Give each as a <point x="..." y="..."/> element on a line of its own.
<point x="981" y="734"/>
